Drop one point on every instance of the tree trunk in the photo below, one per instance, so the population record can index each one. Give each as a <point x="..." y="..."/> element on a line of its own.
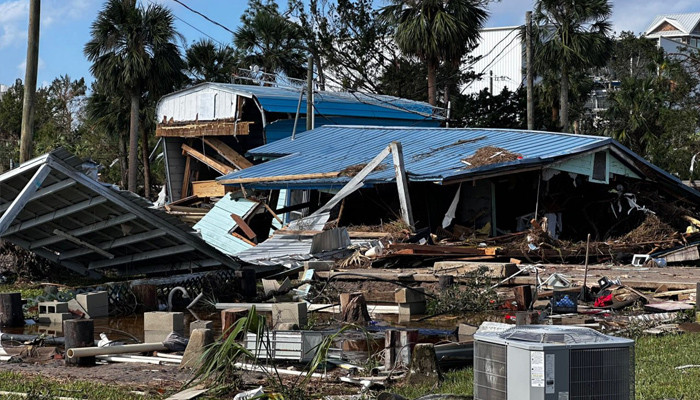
<point x="123" y="165"/>
<point x="146" y="164"/>
<point x="564" y="98"/>
<point x="432" y="89"/>
<point x="133" y="143"/>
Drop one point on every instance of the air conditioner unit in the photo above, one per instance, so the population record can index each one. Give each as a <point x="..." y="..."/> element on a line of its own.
<point x="543" y="362"/>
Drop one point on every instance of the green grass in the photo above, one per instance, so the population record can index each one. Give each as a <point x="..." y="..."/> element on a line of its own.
<point x="456" y="382"/>
<point x="27" y="290"/>
<point x="40" y="387"/>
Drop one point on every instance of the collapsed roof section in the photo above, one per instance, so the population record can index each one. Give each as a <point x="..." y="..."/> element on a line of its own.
<point x="325" y="157"/>
<point x="49" y="207"/>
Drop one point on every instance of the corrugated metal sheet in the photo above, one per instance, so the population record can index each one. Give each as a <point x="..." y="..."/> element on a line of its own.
<point x="211" y="100"/>
<point x="217" y="223"/>
<point x="430" y="154"/>
<point x="685" y="22"/>
<point x="502" y="53"/>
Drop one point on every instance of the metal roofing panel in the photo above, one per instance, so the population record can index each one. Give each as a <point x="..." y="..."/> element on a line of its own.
<point x="216" y="225"/>
<point x="89" y="226"/>
<point x="686" y="22"/>
<point x="285" y="100"/>
<point x="429" y="153"/>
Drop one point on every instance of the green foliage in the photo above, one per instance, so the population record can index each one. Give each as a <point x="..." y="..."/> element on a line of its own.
<point x="267" y="39"/>
<point x="459" y="382"/>
<point x="435" y="32"/>
<point x="503" y="110"/>
<point x="476" y="295"/>
<point x="207" y="62"/>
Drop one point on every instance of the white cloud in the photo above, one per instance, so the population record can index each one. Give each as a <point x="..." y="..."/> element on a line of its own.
<point x="23" y="65"/>
<point x="14" y="18"/>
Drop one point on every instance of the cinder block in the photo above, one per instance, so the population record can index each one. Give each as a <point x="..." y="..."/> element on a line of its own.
<point x="294" y="313"/>
<point x="201" y="325"/>
<point x="164" y="321"/>
<point x="54" y="318"/>
<point x="155" y="336"/>
<point x="51" y="307"/>
<point x="415" y="295"/>
<point x="409" y="309"/>
<point x="94" y="304"/>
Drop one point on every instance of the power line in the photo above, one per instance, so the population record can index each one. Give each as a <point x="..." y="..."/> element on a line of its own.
<point x="496" y="58"/>
<point x="204" y="16"/>
<point x="199" y="30"/>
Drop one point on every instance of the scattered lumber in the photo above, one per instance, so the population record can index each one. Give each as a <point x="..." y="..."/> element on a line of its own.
<point x="208" y="189"/>
<point x="319" y="175"/>
<point x="227" y="153"/>
<point x="208" y="161"/>
<point x="196" y="129"/>
<point x="424" y="249"/>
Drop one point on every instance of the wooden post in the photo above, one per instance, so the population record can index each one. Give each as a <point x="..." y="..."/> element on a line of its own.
<point x="248" y="288"/>
<point x="354" y="309"/>
<point x="523" y="296"/>
<point x="79" y="333"/>
<point x="11" y="309"/>
<point x="147" y="297"/>
<point x="229" y="317"/>
<point x="402" y="183"/>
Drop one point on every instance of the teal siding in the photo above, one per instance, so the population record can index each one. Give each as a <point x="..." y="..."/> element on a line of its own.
<point x="217" y="223"/>
<point x="583" y="165"/>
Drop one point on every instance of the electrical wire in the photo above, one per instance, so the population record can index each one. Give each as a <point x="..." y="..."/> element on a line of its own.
<point x="204" y="16"/>
<point x="496" y="58"/>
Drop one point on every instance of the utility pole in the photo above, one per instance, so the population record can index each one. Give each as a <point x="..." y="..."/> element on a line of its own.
<point x="27" y="134"/>
<point x="310" y="94"/>
<point x="530" y="80"/>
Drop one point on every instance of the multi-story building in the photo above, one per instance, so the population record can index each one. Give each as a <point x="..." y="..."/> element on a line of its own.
<point x="675" y="32"/>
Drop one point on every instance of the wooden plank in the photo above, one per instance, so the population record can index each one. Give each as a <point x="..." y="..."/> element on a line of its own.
<point x="402" y="183"/>
<point x="361" y="235"/>
<point x="23" y="197"/>
<point x="122" y="241"/>
<point x="273" y="213"/>
<point x="210" y="162"/>
<point x="243" y="238"/>
<point x="208" y="189"/>
<point x="186" y="179"/>
<point x="244" y="226"/>
<point x="184" y="201"/>
<point x="49" y="190"/>
<point x="188" y="394"/>
<point x="167" y="251"/>
<point x="671" y="293"/>
<point x="227" y="153"/>
<point x="83" y="243"/>
<point x="84" y="230"/>
<point x="54" y="215"/>
<point x="209" y="128"/>
<point x="436" y="249"/>
<point x="319" y="175"/>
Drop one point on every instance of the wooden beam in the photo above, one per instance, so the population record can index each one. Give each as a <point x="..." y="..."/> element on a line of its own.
<point x="402" y="183"/>
<point x="45" y="191"/>
<point x="84" y="230"/>
<point x="181" y="266"/>
<point x="210" y="162"/>
<point x="273" y="213"/>
<point x="244" y="226"/>
<point x="110" y="244"/>
<point x="83" y="243"/>
<point x="227" y="153"/>
<point x="234" y="234"/>
<point x="186" y="179"/>
<point x="193" y="129"/>
<point x="359" y="235"/>
<point x="319" y="175"/>
<point x="23" y="197"/>
<point x="168" y="251"/>
<point x="73" y="266"/>
<point x="208" y="189"/>
<point x="54" y="215"/>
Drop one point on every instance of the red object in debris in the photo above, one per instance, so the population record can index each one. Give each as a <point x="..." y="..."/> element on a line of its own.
<point x="603" y="301"/>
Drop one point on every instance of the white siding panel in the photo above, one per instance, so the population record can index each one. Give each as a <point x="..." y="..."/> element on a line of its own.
<point x="502" y="51"/>
<point x="190" y="105"/>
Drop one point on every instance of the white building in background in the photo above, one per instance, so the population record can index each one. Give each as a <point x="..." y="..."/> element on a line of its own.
<point x="502" y="61"/>
<point x="3" y="89"/>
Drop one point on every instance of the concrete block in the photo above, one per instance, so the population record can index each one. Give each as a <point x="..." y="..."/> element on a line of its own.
<point x="54" y="318"/>
<point x="155" y="336"/>
<point x="415" y="295"/>
<point x="95" y="304"/>
<point x="200" y="325"/>
<point x="319" y="265"/>
<point x="409" y="309"/>
<point x="51" y="307"/>
<point x="164" y="321"/>
<point x="294" y="313"/>
<point x="199" y="340"/>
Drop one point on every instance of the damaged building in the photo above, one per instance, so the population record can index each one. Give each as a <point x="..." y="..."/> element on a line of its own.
<point x="462" y="184"/>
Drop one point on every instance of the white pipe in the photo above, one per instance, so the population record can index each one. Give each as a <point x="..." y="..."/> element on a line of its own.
<point x="172" y="292"/>
<point x="137" y="357"/>
<point x="168" y="355"/>
<point x="121" y="359"/>
<point x="127" y="348"/>
<point x="260" y="368"/>
<point x="196" y="299"/>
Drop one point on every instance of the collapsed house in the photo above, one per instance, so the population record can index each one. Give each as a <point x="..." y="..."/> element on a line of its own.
<point x="205" y="128"/>
<point x="50" y="207"/>
<point x="461" y="183"/>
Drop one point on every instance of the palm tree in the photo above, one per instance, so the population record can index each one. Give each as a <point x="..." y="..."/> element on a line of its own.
<point x="269" y="40"/>
<point x="435" y="31"/>
<point x="571" y="35"/>
<point x="207" y="62"/>
<point x="132" y="50"/>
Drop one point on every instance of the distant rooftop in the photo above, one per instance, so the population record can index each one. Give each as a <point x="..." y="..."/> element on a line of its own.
<point x="673" y="24"/>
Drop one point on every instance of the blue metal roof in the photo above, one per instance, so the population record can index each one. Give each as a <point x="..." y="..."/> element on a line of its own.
<point x="348" y="104"/>
<point x="430" y="154"/>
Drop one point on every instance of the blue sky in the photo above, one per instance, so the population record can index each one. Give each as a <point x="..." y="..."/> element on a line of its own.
<point x="65" y="27"/>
